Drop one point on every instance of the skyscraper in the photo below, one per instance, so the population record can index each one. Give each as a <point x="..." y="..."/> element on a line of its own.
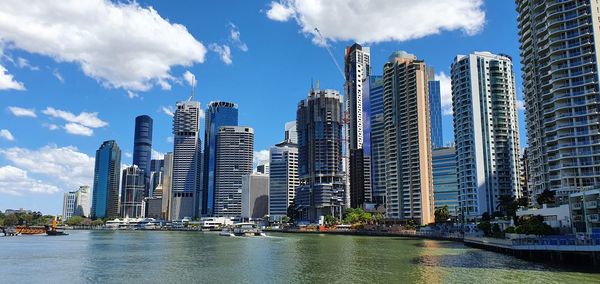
<point x="377" y="140"/>
<point x="409" y="186"/>
<point x="559" y="59"/>
<point x="156" y="173"/>
<point x="435" y="109"/>
<point x="186" y="161"/>
<point x="218" y="114"/>
<point x="485" y="131"/>
<point x="142" y="148"/>
<point x="132" y="192"/>
<point x="82" y="201"/>
<point x="526" y="190"/>
<point x="357" y="69"/>
<point x="69" y="201"/>
<point x="107" y="174"/>
<point x="291" y="134"/>
<point x="263" y="167"/>
<point x="319" y="124"/>
<point x="233" y="159"/>
<point x="167" y="192"/>
<point x="255" y="196"/>
<point x="445" y="179"/>
<point x="283" y="178"/>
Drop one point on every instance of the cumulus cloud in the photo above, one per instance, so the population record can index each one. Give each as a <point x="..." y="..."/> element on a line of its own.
<point x="4" y="133"/>
<point x="78" y="129"/>
<point x="7" y="82"/>
<point x="156" y="155"/>
<point x="379" y="21"/>
<point x="87" y="119"/>
<point x="19" y="111"/>
<point x="132" y="95"/>
<point x="50" y="126"/>
<point x="446" y="92"/>
<point x="128" y="155"/>
<point x="224" y="52"/>
<point x="120" y="44"/>
<point x="170" y="139"/>
<point x="189" y="77"/>
<point x="23" y="63"/>
<point x="63" y="167"/>
<point x="234" y="37"/>
<point x="15" y="181"/>
<point x="520" y="105"/>
<point x="168" y="110"/>
<point x="260" y="157"/>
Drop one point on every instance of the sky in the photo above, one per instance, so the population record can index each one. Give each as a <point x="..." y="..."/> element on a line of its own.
<point x="76" y="73"/>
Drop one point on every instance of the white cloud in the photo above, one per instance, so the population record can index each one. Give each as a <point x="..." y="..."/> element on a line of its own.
<point x="23" y="63"/>
<point x="87" y="119"/>
<point x="156" y="155"/>
<point x="57" y="75"/>
<point x="520" y="105"/>
<point x="50" y="126"/>
<point x="224" y="52"/>
<point x="15" y="181"/>
<point x="379" y="21"/>
<point x="261" y="156"/>
<point x="168" y="110"/>
<point x="132" y="95"/>
<point x="120" y="44"/>
<point x="201" y="114"/>
<point x="128" y="155"/>
<point x="64" y="167"/>
<point x="189" y="77"/>
<point x="446" y="92"/>
<point x="78" y="129"/>
<point x="4" y="133"/>
<point x="280" y="12"/>
<point x="7" y="82"/>
<point x="234" y="37"/>
<point x="170" y="139"/>
<point x="19" y="111"/>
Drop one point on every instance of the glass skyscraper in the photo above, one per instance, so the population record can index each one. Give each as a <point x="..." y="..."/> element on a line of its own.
<point x="132" y="192"/>
<point x="445" y="179"/>
<point x="107" y="175"/>
<point x="142" y="148"/>
<point x="217" y="115"/>
<point x="377" y="140"/>
<point x="283" y="178"/>
<point x="435" y="110"/>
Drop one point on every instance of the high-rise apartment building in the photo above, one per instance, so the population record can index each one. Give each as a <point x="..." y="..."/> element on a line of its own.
<point x="233" y="159"/>
<point x="357" y="72"/>
<point x="107" y="175"/>
<point x="217" y="115"/>
<point x="142" y="148"/>
<point x="559" y="59"/>
<point x="435" y="109"/>
<point x="132" y="191"/>
<point x="283" y="178"/>
<point x="185" y="195"/>
<point x="69" y="202"/>
<point x="409" y="186"/>
<point x="526" y="189"/>
<point x="486" y="131"/>
<point x="319" y="124"/>
<point x="377" y="141"/>
<point x="255" y="196"/>
<point x="445" y="179"/>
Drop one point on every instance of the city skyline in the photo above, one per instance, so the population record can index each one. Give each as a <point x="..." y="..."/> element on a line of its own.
<point x="104" y="108"/>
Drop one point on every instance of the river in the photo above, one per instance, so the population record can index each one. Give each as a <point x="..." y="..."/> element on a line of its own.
<point x="195" y="257"/>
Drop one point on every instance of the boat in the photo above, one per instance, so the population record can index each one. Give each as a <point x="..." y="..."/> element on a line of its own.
<point x="247" y="230"/>
<point x="53" y="229"/>
<point x="226" y="233"/>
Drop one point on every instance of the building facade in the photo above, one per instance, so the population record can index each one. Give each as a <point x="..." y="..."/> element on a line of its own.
<point x="319" y="123"/>
<point x="69" y="203"/>
<point x="233" y="159"/>
<point x="107" y="175"/>
<point x="82" y="201"/>
<point x="283" y="179"/>
<point x="409" y="186"/>
<point x="559" y="43"/>
<point x="445" y="179"/>
<point x="132" y="192"/>
<point x="526" y="189"/>
<point x="217" y="115"/>
<point x="435" y="109"/>
<point x="486" y="131"/>
<point x="185" y="194"/>
<point x="291" y="134"/>
<point x="156" y="173"/>
<point x="142" y="148"/>
<point x="377" y="141"/>
<point x="255" y="196"/>
<point x="167" y="192"/>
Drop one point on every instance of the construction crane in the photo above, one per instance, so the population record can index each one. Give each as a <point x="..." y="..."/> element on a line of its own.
<point x="330" y="53"/>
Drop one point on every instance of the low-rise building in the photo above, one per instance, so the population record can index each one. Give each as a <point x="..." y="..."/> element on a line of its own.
<point x="555" y="216"/>
<point x="585" y="212"/>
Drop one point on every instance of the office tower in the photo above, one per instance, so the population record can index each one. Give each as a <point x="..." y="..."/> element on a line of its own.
<point x="409" y="186"/>
<point x="132" y="191"/>
<point x="263" y="168"/>
<point x="291" y="134"/>
<point x="255" y="196"/>
<point x="357" y="69"/>
<point x="283" y="178"/>
<point x="319" y="124"/>
<point x="435" y="109"/>
<point x="82" y="201"/>
<point x="107" y="175"/>
<point x="233" y="159"/>
<point x="142" y="148"/>
<point x="526" y="190"/>
<point x="445" y="179"/>
<point x="68" y="205"/>
<point x="167" y="192"/>
<point x="486" y="132"/>
<point x="377" y="140"/>
<point x="217" y="115"/>
<point x="186" y="161"/>
<point x="156" y="173"/>
<point x="559" y="59"/>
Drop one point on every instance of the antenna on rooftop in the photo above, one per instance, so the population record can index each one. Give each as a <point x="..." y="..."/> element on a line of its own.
<point x="193" y="88"/>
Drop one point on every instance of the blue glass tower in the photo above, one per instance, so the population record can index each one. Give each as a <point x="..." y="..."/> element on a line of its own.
<point x="217" y="115"/>
<point x="105" y="200"/>
<point x="445" y="179"/>
<point x="377" y="129"/>
<point x="435" y="110"/>
<point x="142" y="147"/>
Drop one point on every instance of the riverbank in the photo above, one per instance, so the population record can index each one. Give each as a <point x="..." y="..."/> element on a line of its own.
<point x="406" y="234"/>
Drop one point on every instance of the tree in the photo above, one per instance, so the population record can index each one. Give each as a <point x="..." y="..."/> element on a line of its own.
<point x="86" y="222"/>
<point x="486" y="227"/>
<point x="330" y="220"/>
<point x="546" y="197"/>
<point x="97" y="223"/>
<point x="442" y="214"/>
<point x="75" y="221"/>
<point x="485" y="216"/>
<point x="534" y="226"/>
<point x="11" y="220"/>
<point x="26" y="219"/>
<point x="377" y="218"/>
<point x="285" y="219"/>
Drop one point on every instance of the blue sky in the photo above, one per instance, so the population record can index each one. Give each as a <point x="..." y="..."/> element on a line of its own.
<point x="67" y="82"/>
